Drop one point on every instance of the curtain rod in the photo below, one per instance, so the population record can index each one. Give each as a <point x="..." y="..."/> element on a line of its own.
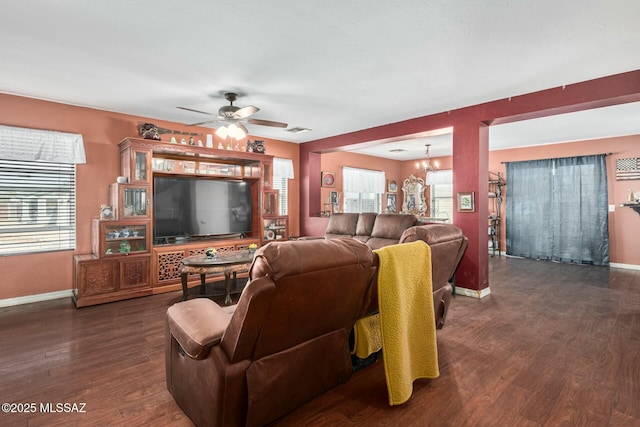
<point x="604" y="154"/>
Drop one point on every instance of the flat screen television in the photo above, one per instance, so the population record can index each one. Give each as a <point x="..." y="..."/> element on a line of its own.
<point x="196" y="207"/>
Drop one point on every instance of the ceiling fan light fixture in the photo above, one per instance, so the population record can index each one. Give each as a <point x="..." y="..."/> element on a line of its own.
<point x="232" y="130"/>
<point x="222" y="132"/>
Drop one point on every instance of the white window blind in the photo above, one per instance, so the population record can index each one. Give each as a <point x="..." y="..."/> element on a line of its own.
<point x="282" y="172"/>
<point x="37" y="206"/>
<point x="362" y="189"/>
<point x="440" y="177"/>
<point x="362" y="180"/>
<point x="441" y="183"/>
<point x="40" y="145"/>
<point x="282" y="168"/>
<point x="37" y="189"/>
<point x="282" y="184"/>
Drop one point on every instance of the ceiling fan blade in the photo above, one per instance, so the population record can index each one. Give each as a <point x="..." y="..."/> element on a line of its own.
<point x="197" y="111"/>
<point x="245" y="112"/>
<point x="244" y="129"/>
<point x="267" y="123"/>
<point x="202" y="123"/>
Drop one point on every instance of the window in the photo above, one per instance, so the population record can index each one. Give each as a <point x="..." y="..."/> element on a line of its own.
<point x="282" y="184"/>
<point x="442" y="201"/>
<point x="37" y="206"/>
<point x="441" y="190"/>
<point x="363" y="190"/>
<point x="38" y="189"/>
<point x="362" y="202"/>
<point x="282" y="172"/>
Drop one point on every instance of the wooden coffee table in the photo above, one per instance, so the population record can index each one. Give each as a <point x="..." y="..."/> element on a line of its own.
<point x="228" y="263"/>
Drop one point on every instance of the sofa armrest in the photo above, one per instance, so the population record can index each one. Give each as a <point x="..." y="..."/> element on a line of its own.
<point x="432" y="233"/>
<point x="197" y="325"/>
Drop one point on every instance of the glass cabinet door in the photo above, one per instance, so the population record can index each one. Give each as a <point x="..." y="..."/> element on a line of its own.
<point x="124" y="239"/>
<point x="131" y="200"/>
<point x="270" y="202"/>
<point x="267" y="174"/>
<point x="134" y="202"/>
<point x="120" y="238"/>
<point x="141" y="165"/>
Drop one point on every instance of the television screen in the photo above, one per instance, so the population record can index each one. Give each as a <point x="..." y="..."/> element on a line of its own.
<point x="187" y="207"/>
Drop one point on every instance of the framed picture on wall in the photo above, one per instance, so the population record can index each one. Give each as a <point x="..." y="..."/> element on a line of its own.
<point x="392" y="186"/>
<point x="333" y="197"/>
<point x="391" y="204"/>
<point x="466" y="202"/>
<point x="328" y="179"/>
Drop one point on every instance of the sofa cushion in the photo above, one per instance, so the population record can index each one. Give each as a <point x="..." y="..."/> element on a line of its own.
<point x="365" y="224"/>
<point x="342" y="225"/>
<point x="391" y="226"/>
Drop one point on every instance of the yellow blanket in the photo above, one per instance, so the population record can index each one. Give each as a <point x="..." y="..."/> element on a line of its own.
<point x="366" y="336"/>
<point x="407" y="322"/>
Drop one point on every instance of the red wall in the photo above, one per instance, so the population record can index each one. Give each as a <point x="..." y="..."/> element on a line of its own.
<point x="102" y="131"/>
<point x="470" y="152"/>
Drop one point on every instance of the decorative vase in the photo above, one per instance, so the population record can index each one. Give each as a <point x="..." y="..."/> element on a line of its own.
<point x="211" y="253"/>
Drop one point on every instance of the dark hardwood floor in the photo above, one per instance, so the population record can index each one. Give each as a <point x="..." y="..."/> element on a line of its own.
<point x="552" y="345"/>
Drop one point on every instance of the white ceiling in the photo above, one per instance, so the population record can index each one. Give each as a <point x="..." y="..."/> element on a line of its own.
<point x="332" y="66"/>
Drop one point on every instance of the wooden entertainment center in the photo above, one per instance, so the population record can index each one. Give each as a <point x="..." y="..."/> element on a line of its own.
<point x="125" y="261"/>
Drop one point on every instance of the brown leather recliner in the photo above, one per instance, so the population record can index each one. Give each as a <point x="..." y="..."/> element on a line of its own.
<point x="285" y="343"/>
<point x="447" y="245"/>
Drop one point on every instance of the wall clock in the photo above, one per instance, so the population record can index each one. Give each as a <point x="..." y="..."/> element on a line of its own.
<point x="328" y="179"/>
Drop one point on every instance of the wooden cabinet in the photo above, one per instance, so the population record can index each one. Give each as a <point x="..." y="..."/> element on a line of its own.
<point x="276" y="228"/>
<point x="119" y="266"/>
<point x="135" y="163"/>
<point x="131" y="200"/>
<point x="100" y="280"/>
<point x="120" y="238"/>
<point x="124" y="262"/>
<point x="267" y="174"/>
<point x="270" y="202"/>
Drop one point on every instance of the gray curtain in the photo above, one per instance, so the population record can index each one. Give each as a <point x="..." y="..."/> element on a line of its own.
<point x="557" y="210"/>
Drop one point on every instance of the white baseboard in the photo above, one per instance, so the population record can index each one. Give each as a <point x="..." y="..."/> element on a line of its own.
<point x="625" y="266"/>
<point x="472" y="292"/>
<point x="9" y="302"/>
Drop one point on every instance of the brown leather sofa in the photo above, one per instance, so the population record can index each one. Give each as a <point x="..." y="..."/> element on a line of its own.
<point x="284" y="343"/>
<point x="446" y="241"/>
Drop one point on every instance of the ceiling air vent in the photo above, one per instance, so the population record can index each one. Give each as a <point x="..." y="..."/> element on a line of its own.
<point x="397" y="150"/>
<point x="298" y="130"/>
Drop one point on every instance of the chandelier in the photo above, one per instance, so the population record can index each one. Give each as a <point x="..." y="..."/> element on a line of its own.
<point x="233" y="130"/>
<point x="426" y="165"/>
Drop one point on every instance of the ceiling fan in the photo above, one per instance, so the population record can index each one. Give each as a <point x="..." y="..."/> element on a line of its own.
<point x="234" y="116"/>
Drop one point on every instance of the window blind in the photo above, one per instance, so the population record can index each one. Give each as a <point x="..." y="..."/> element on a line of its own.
<point x="41" y="145"/>
<point x="37" y="206"/>
<point x="362" y="180"/>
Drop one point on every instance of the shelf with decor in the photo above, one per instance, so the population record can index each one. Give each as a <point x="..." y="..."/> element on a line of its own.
<point x="496" y="183"/>
<point x="120" y="237"/>
<point x="276" y="228"/>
